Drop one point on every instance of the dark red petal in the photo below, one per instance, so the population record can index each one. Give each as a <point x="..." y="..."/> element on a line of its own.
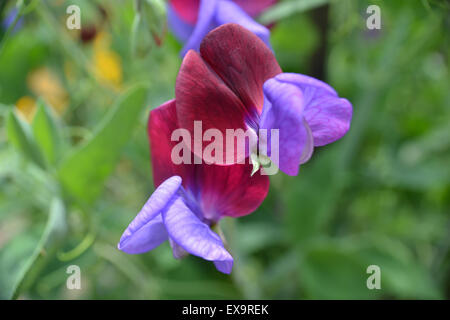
<point x="255" y="7"/>
<point x="186" y="9"/>
<point x="162" y="122"/>
<point x="230" y="190"/>
<point x="220" y="190"/>
<point x="202" y="96"/>
<point x="242" y="60"/>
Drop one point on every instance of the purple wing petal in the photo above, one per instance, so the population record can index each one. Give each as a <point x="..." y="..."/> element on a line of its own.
<point x="181" y="29"/>
<point x="146" y="238"/>
<point x="194" y="236"/>
<point x="229" y="12"/>
<point x="283" y="110"/>
<point x="146" y="231"/>
<point x="224" y="266"/>
<point x="327" y="115"/>
<point x="205" y="23"/>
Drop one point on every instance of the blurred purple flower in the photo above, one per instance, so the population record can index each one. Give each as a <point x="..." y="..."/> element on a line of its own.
<point x="191" y="20"/>
<point x="9" y="20"/>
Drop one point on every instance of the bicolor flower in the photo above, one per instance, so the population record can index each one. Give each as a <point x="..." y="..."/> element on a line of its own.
<point x="235" y="82"/>
<point x="190" y="199"/>
<point x="191" y="20"/>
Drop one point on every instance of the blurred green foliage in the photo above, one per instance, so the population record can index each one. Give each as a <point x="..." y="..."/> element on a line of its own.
<point x="75" y="168"/>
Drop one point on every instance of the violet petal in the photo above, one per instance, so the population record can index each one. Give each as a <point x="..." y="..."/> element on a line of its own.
<point x="146" y="231"/>
<point x="146" y="238"/>
<point x="283" y="110"/>
<point x="327" y="115"/>
<point x="194" y="236"/>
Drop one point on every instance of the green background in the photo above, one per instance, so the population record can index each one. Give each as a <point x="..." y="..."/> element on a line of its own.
<point x="70" y="184"/>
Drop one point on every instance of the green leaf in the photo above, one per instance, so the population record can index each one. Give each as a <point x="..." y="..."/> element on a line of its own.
<point x="19" y="134"/>
<point x="18" y="256"/>
<point x="85" y="170"/>
<point x="316" y="194"/>
<point x="24" y="52"/>
<point x="338" y="270"/>
<point x="330" y="271"/>
<point x="154" y="12"/>
<point x="141" y="42"/>
<point x="148" y="26"/>
<point x="401" y="275"/>
<point x="288" y="8"/>
<point x="15" y="259"/>
<point x="46" y="133"/>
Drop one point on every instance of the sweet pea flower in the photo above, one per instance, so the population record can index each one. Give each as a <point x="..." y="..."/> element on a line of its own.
<point x="235" y="82"/>
<point x="191" y="20"/>
<point x="190" y="199"/>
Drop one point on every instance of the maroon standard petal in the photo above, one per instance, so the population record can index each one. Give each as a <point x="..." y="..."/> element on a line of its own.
<point x="242" y="60"/>
<point x="186" y="9"/>
<point x="230" y="190"/>
<point x="202" y="96"/>
<point x="219" y="190"/>
<point x="162" y="123"/>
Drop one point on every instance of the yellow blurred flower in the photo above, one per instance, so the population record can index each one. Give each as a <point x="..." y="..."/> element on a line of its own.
<point x="107" y="63"/>
<point x="44" y="83"/>
<point x="26" y="107"/>
<point x="108" y="67"/>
